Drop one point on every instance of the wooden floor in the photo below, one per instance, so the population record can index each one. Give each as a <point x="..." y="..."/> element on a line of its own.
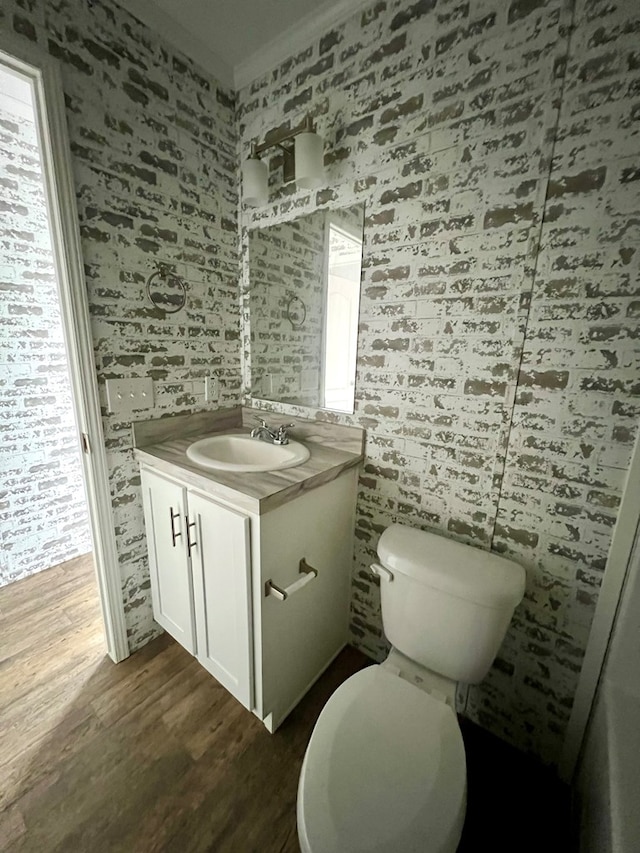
<point x="147" y="755"/>
<point x="153" y="755"/>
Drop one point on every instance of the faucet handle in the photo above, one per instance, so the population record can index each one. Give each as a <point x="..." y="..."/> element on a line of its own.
<point x="281" y="433"/>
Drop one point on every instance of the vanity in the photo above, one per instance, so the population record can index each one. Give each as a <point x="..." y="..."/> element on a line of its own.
<point x="250" y="570"/>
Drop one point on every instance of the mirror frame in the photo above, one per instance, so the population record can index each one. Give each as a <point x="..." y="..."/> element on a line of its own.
<point x="252" y="222"/>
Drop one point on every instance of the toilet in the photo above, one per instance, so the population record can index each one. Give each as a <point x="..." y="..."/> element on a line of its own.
<point x="385" y="769"/>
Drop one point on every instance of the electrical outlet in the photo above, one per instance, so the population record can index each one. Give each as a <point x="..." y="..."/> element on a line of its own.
<point x="129" y="395"/>
<point x="211" y="389"/>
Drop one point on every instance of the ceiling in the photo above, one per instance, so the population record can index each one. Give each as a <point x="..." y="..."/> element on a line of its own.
<point x="237" y="40"/>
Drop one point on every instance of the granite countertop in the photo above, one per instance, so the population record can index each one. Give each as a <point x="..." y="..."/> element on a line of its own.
<point x="254" y="492"/>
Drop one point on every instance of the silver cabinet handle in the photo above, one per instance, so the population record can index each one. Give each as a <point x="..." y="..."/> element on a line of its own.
<point x="190" y="544"/>
<point x="172" y="516"/>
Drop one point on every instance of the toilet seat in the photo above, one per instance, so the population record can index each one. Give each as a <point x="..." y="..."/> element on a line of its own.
<point x="384" y="771"/>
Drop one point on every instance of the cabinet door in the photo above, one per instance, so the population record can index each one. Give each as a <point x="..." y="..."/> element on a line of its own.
<point x="221" y="583"/>
<point x="171" y="584"/>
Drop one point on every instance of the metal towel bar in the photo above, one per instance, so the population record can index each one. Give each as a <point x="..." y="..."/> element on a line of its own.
<point x="307" y="572"/>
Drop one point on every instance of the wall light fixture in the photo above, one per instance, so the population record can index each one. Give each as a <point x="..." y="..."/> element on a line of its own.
<point x="303" y="154"/>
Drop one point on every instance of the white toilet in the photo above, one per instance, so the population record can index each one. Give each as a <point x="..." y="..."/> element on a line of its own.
<point x="385" y="768"/>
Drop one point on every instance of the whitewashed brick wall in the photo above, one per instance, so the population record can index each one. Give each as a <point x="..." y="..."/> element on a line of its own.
<point x="43" y="519"/>
<point x="153" y="144"/>
<point x="577" y="407"/>
<point x="496" y="146"/>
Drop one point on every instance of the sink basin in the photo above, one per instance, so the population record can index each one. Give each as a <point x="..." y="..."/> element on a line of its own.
<point x="243" y="453"/>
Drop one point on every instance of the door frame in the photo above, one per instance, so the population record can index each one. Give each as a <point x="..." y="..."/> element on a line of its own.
<point x="44" y="73"/>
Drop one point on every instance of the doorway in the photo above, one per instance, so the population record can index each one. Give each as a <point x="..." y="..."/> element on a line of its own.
<point x="56" y="505"/>
<point x="45" y="520"/>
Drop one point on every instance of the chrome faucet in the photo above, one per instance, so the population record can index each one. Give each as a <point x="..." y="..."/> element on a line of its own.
<point x="271" y="434"/>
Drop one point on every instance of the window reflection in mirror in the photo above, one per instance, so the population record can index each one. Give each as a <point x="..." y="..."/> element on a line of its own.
<point x="303" y="308"/>
<point x="344" y="244"/>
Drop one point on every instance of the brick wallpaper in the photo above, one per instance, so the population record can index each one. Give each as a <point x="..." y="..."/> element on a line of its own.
<point x="578" y="402"/>
<point x="496" y="148"/>
<point x="43" y="520"/>
<point x="153" y="144"/>
<point x="495" y="145"/>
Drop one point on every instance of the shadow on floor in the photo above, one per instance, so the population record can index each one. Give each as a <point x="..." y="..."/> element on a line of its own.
<point x="514" y="804"/>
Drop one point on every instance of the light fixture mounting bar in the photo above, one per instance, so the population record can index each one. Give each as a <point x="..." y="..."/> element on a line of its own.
<point x="305" y="126"/>
<point x="302" y="161"/>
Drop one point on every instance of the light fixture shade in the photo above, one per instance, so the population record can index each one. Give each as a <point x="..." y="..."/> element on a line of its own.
<point x="309" y="160"/>
<point x="255" y="182"/>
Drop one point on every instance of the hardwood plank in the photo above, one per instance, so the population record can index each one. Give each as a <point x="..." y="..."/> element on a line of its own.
<point x="226" y="731"/>
<point x="98" y="797"/>
<point x="49" y="586"/>
<point x="43" y="758"/>
<point x="78" y="604"/>
<point x="12" y="826"/>
<point x="28" y="721"/>
<point x="148" y="755"/>
<point x="115" y="700"/>
<point x="153" y="756"/>
<point x="75" y="646"/>
<point x="50" y="622"/>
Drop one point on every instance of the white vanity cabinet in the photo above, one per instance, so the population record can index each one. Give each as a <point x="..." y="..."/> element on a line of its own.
<point x="200" y="571"/>
<point x="296" y="639"/>
<point x="217" y="569"/>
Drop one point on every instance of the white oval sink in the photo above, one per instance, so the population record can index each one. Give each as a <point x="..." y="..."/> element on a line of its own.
<point x="243" y="453"/>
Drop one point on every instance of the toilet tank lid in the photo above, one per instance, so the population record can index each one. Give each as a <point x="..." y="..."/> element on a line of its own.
<point x="452" y="567"/>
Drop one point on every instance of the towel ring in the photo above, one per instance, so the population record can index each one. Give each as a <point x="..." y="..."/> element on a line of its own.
<point x="296" y="312"/>
<point x="166" y="290"/>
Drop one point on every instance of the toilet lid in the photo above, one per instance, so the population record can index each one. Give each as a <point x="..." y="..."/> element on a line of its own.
<point x="384" y="771"/>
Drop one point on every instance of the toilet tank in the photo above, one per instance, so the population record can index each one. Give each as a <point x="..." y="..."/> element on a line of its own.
<point x="448" y="605"/>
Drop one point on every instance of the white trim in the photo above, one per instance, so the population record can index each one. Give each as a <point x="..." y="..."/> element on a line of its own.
<point x="44" y="73"/>
<point x="157" y="20"/>
<point x="325" y="301"/>
<point x="603" y="621"/>
<point x="304" y="32"/>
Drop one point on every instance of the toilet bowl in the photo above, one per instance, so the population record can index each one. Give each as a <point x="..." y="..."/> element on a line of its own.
<point x="385" y="767"/>
<point x="384" y="771"/>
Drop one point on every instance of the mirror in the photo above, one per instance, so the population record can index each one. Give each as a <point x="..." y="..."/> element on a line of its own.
<point x="304" y="297"/>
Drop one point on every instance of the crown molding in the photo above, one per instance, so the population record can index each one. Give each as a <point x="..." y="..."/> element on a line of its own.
<point x="191" y="46"/>
<point x="303" y="32"/>
<point x="295" y="37"/>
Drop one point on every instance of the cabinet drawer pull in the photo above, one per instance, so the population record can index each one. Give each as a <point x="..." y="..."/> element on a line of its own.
<point x="173" y="515"/>
<point x="307" y="574"/>
<point x="190" y="544"/>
